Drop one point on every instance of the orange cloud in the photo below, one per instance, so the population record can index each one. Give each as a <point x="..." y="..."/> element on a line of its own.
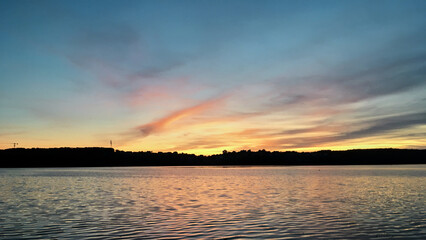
<point x="157" y="125"/>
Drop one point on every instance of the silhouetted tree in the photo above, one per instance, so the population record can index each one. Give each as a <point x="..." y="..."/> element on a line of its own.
<point x="88" y="157"/>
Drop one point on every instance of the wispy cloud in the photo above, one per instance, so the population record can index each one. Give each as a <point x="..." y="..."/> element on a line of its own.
<point x="120" y="57"/>
<point x="329" y="136"/>
<point x="385" y="124"/>
<point x="339" y="88"/>
<point x="155" y="126"/>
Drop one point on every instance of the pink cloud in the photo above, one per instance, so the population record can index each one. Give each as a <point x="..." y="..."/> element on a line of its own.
<point x="161" y="123"/>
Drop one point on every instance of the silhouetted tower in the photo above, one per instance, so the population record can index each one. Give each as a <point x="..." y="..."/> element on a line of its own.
<point x="110" y="143"/>
<point x="14" y="145"/>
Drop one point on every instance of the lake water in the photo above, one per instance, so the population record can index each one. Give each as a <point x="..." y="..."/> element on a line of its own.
<point x="311" y="202"/>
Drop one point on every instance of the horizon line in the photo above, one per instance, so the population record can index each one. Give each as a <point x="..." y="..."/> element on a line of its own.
<point x="223" y="152"/>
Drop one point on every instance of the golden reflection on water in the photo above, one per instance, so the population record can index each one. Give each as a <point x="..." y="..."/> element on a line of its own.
<point x="213" y="202"/>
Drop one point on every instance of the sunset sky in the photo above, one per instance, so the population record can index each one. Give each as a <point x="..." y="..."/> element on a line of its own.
<point x="204" y="76"/>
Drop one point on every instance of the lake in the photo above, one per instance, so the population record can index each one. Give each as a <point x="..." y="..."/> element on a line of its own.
<point x="311" y="202"/>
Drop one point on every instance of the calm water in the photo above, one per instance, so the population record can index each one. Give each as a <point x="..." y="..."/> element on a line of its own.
<point x="352" y="202"/>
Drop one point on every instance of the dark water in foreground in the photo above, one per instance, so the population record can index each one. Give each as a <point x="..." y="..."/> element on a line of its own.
<point x="351" y="202"/>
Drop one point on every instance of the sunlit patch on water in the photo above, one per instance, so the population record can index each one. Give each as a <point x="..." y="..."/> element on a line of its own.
<point x="352" y="202"/>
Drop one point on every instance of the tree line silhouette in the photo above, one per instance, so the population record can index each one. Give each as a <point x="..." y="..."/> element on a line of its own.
<point x="97" y="157"/>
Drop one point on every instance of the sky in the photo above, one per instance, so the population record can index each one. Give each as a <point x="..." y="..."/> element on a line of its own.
<point x="206" y="76"/>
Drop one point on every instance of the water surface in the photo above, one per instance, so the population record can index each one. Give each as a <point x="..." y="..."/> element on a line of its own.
<point x="322" y="202"/>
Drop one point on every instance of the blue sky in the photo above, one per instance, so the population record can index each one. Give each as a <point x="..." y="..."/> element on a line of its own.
<point x="204" y="76"/>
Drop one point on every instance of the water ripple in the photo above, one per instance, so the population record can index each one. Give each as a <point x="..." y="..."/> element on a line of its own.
<point x="350" y="202"/>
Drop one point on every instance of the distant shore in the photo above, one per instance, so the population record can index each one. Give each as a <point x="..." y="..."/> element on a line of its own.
<point x="100" y="157"/>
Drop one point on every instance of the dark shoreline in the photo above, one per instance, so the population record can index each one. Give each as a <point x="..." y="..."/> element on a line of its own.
<point x="108" y="157"/>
